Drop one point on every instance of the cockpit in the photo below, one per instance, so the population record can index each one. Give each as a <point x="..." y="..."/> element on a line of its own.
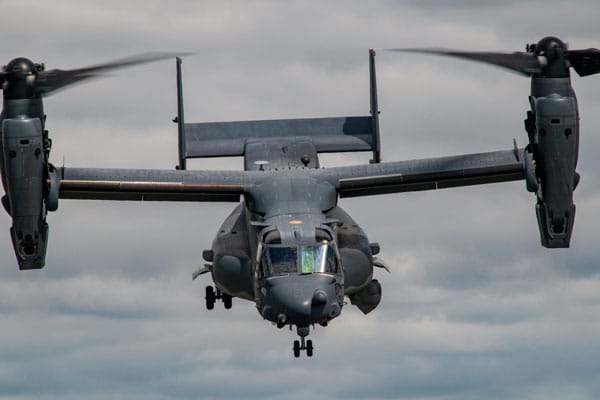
<point x="280" y="259"/>
<point x="300" y="281"/>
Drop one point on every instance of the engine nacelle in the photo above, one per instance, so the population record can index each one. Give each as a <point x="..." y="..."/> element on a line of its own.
<point x="555" y="144"/>
<point x="25" y="175"/>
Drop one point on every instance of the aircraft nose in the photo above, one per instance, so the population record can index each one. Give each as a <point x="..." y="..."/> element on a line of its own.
<point x="301" y="300"/>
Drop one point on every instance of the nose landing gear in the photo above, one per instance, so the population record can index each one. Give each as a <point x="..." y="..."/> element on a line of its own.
<point x="303" y="344"/>
<point x="213" y="294"/>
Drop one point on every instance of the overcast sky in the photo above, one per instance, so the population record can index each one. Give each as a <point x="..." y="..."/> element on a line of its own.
<point x="474" y="308"/>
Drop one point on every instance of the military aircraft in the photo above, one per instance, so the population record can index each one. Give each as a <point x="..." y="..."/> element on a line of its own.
<point x="287" y="245"/>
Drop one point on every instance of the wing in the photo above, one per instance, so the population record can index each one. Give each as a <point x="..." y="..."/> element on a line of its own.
<point x="225" y="186"/>
<point x="351" y="181"/>
<point x="153" y="185"/>
<point x="430" y="173"/>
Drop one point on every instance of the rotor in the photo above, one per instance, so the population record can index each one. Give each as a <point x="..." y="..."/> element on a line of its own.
<point x="21" y="78"/>
<point x="549" y="58"/>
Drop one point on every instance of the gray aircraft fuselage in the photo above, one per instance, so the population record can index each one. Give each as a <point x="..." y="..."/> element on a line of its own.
<point x="288" y="246"/>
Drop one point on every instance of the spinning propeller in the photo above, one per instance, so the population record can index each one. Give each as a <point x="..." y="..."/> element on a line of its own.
<point x="552" y="126"/>
<point x="30" y="181"/>
<point x="21" y="78"/>
<point x="549" y="58"/>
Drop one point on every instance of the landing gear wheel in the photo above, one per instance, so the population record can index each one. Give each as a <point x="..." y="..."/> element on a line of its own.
<point x="227" y="300"/>
<point x="210" y="297"/>
<point x="303" y="344"/>
<point x="309" y="348"/>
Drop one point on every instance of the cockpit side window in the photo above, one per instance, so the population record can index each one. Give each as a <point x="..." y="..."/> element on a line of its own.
<point x="331" y="261"/>
<point x="321" y="235"/>
<point x="273" y="237"/>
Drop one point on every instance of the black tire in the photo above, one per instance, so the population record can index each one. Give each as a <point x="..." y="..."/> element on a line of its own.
<point x="296" y="348"/>
<point x="227" y="300"/>
<point x="309" y="348"/>
<point x="210" y="298"/>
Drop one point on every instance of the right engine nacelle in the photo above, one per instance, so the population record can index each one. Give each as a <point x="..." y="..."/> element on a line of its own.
<point x="554" y="142"/>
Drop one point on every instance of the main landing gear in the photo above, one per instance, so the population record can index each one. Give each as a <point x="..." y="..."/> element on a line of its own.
<point x="212" y="294"/>
<point x="303" y="344"/>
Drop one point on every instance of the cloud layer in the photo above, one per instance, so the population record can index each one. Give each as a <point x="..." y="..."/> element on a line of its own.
<point x="474" y="308"/>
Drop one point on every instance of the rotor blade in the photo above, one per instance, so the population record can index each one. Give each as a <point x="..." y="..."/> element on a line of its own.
<point x="47" y="82"/>
<point x="585" y="62"/>
<point x="523" y="63"/>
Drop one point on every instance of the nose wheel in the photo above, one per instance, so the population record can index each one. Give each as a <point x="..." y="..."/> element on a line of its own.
<point x="303" y="344"/>
<point x="212" y="295"/>
<point x="300" y="345"/>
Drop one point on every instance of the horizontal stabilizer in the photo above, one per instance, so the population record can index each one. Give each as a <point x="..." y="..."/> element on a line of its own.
<point x="329" y="135"/>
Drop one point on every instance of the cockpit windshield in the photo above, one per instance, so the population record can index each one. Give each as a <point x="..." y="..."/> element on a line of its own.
<point x="280" y="259"/>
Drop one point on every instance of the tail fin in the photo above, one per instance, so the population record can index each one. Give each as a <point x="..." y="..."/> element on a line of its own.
<point x="328" y="135"/>
<point x="180" y="119"/>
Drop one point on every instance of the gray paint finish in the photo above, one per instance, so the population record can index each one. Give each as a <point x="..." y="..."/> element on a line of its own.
<point x="288" y="247"/>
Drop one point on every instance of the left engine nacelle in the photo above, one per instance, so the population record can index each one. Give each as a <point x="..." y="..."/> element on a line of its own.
<point x="26" y="176"/>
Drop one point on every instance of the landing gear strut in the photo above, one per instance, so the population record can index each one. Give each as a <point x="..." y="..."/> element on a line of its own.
<point x="213" y="294"/>
<point x="303" y="344"/>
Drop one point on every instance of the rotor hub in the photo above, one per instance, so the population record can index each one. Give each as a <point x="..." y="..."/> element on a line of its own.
<point x="550" y="47"/>
<point x="551" y="53"/>
<point x="19" y="78"/>
<point x="20" y="68"/>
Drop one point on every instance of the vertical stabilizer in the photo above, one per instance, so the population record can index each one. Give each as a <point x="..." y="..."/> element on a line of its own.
<point x="374" y="108"/>
<point x="180" y="119"/>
